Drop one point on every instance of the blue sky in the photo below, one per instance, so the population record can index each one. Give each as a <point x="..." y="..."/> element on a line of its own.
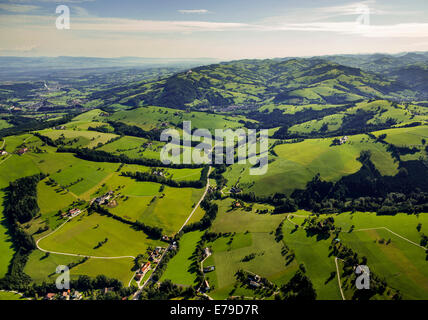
<point x="232" y="29"/>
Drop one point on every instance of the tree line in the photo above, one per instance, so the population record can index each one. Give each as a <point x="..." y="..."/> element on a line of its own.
<point x="146" y="176"/>
<point x="102" y="156"/>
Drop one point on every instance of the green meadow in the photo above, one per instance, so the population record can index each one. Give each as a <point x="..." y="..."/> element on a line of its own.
<point x="133" y="147"/>
<point x="83" y="234"/>
<point x="153" y="117"/>
<point x="85" y="139"/>
<point x="179" y="269"/>
<point x="41" y="267"/>
<point x="6" y="295"/>
<point x="297" y="163"/>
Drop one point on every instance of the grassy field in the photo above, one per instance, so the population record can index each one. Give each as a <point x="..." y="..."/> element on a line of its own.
<point x="52" y="199"/>
<point x="179" y="268"/>
<point x="315" y="255"/>
<point x="14" y="167"/>
<point x="42" y="268"/>
<point x="133" y="147"/>
<point x="153" y="117"/>
<point x="228" y="259"/>
<point x="79" y="138"/>
<point x="400" y="262"/>
<point x="240" y="221"/>
<point x="297" y="163"/>
<point x="4" y="124"/>
<point x="82" y="235"/>
<point x="6" y="295"/>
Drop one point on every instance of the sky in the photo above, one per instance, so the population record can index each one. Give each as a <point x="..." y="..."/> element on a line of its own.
<point x="221" y="29"/>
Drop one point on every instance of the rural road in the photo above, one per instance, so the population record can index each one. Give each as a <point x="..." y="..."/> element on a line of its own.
<point x="200" y="200"/>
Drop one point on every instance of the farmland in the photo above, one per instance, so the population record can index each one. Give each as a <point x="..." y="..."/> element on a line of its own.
<point x="345" y="185"/>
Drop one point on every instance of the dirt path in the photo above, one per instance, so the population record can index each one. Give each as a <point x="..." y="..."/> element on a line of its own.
<point x="338" y="278"/>
<point x="396" y="234"/>
<point x="200" y="200"/>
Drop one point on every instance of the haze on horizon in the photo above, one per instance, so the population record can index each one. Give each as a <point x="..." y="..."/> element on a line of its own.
<point x="224" y="30"/>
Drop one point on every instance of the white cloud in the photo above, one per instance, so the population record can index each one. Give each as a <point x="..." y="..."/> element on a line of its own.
<point x="17" y="8"/>
<point x="97" y="26"/>
<point x="194" y="11"/>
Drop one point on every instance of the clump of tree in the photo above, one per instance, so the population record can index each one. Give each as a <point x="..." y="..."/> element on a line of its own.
<point x="166" y="290"/>
<point x="299" y="288"/>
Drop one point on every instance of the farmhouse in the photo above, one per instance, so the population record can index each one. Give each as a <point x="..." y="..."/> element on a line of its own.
<point x="343" y="140"/>
<point x="158" y="173"/>
<point x="110" y="289"/>
<point x="236" y="204"/>
<point x="3" y="153"/>
<point x="50" y="296"/>
<point x="254" y="284"/>
<point x="207" y="285"/>
<point x="146" y="267"/>
<point x="209" y="269"/>
<point x="76" y="295"/>
<point x="207" y="252"/>
<point x="104" y="198"/>
<point x="65" y="296"/>
<point x="22" y="151"/>
<point x="165" y="238"/>
<point x="74" y="212"/>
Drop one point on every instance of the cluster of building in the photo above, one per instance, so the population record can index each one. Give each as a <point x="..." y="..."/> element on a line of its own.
<point x="22" y="151"/>
<point x="254" y="281"/>
<point x="236" y="204"/>
<point x="66" y="295"/>
<point x="74" y="212"/>
<point x="156" y="254"/>
<point x="104" y="198"/>
<point x="158" y="173"/>
<point x="343" y="140"/>
<point x="209" y="269"/>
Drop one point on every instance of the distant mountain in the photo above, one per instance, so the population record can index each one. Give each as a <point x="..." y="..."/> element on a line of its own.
<point x="258" y="82"/>
<point x="35" y="68"/>
<point x="410" y="69"/>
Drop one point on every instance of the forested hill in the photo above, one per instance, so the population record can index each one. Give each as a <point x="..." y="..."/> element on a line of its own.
<point x="257" y="82"/>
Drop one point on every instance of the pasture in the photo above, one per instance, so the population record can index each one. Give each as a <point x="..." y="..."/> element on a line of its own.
<point x="179" y="269"/>
<point x="83" y="235"/>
